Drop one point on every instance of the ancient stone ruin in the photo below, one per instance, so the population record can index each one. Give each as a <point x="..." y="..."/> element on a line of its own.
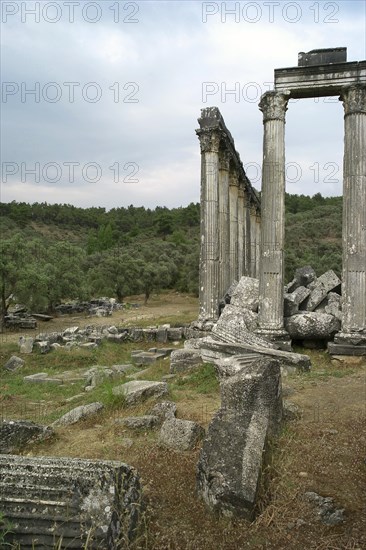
<point x="251" y="337"/>
<point x="231" y="248"/>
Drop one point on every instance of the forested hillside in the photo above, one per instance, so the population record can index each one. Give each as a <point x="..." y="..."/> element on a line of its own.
<point x="52" y="253"/>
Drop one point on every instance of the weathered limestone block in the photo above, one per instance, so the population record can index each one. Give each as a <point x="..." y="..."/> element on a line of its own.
<point x="26" y="344"/>
<point x="233" y="452"/>
<point x="246" y="294"/>
<point x="147" y="357"/>
<point x="14" y="363"/>
<point x="182" y="360"/>
<point x="312" y="326"/>
<point x="42" y="378"/>
<point x="334" y="306"/>
<point x="79" y="413"/>
<point x="162" y="334"/>
<point x="229" y="293"/>
<point x="293" y="300"/>
<point x="175" y="334"/>
<point x="69" y="502"/>
<point x="137" y="391"/>
<point x="303" y="277"/>
<point x="324" y="284"/>
<point x="146" y="422"/>
<point x="213" y="351"/>
<point x="164" y="410"/>
<point x="180" y="435"/>
<point x="236" y="325"/>
<point x="16" y="434"/>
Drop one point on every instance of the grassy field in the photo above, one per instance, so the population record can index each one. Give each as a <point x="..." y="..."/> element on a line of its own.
<point x="323" y="451"/>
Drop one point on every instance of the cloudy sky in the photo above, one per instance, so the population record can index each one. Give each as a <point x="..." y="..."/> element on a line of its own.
<point x="100" y="100"/>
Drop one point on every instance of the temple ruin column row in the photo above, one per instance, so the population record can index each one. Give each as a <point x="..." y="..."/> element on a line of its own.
<point x="271" y="273"/>
<point x="229" y="216"/>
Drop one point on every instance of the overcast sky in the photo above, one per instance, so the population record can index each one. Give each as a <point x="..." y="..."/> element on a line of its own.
<point x="100" y="100"/>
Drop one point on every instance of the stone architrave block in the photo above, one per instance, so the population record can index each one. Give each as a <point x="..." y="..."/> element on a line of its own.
<point x="246" y="294"/>
<point x="214" y="351"/>
<point x="26" y="344"/>
<point x="182" y="360"/>
<point x="324" y="284"/>
<point x="180" y="435"/>
<point x="137" y="391"/>
<point x="233" y="452"/>
<point x="69" y="502"/>
<point x="79" y="413"/>
<point x="14" y="363"/>
<point x="16" y="434"/>
<point x="312" y="326"/>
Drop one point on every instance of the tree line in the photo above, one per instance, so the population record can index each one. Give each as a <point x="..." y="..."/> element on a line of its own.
<point x="50" y="253"/>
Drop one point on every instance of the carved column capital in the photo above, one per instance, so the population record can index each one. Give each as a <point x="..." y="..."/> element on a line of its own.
<point x="209" y="141"/>
<point x="354" y="99"/>
<point x="241" y="191"/>
<point x="274" y="105"/>
<point x="224" y="160"/>
<point x="234" y="178"/>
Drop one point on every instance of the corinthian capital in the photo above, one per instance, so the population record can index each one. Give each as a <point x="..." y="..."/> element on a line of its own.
<point x="354" y="99"/>
<point x="209" y="141"/>
<point x="224" y="159"/>
<point x="274" y="105"/>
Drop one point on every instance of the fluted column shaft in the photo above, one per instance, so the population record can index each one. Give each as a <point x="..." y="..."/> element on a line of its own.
<point x="257" y="242"/>
<point x="233" y="213"/>
<point x="240" y="231"/>
<point x="274" y="106"/>
<point x="224" y="228"/>
<point x="209" y="252"/>
<point x="354" y="212"/>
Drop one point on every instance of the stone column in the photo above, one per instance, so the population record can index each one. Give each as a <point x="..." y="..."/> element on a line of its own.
<point x="248" y="237"/>
<point x="253" y="254"/>
<point x="233" y="213"/>
<point x="240" y="231"/>
<point x="353" y="330"/>
<point x="257" y="241"/>
<point x="271" y="277"/>
<point x="209" y="254"/>
<point x="224" y="229"/>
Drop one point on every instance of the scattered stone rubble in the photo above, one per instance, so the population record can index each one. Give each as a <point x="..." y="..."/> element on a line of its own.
<point x="325" y="509"/>
<point x="91" y="336"/>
